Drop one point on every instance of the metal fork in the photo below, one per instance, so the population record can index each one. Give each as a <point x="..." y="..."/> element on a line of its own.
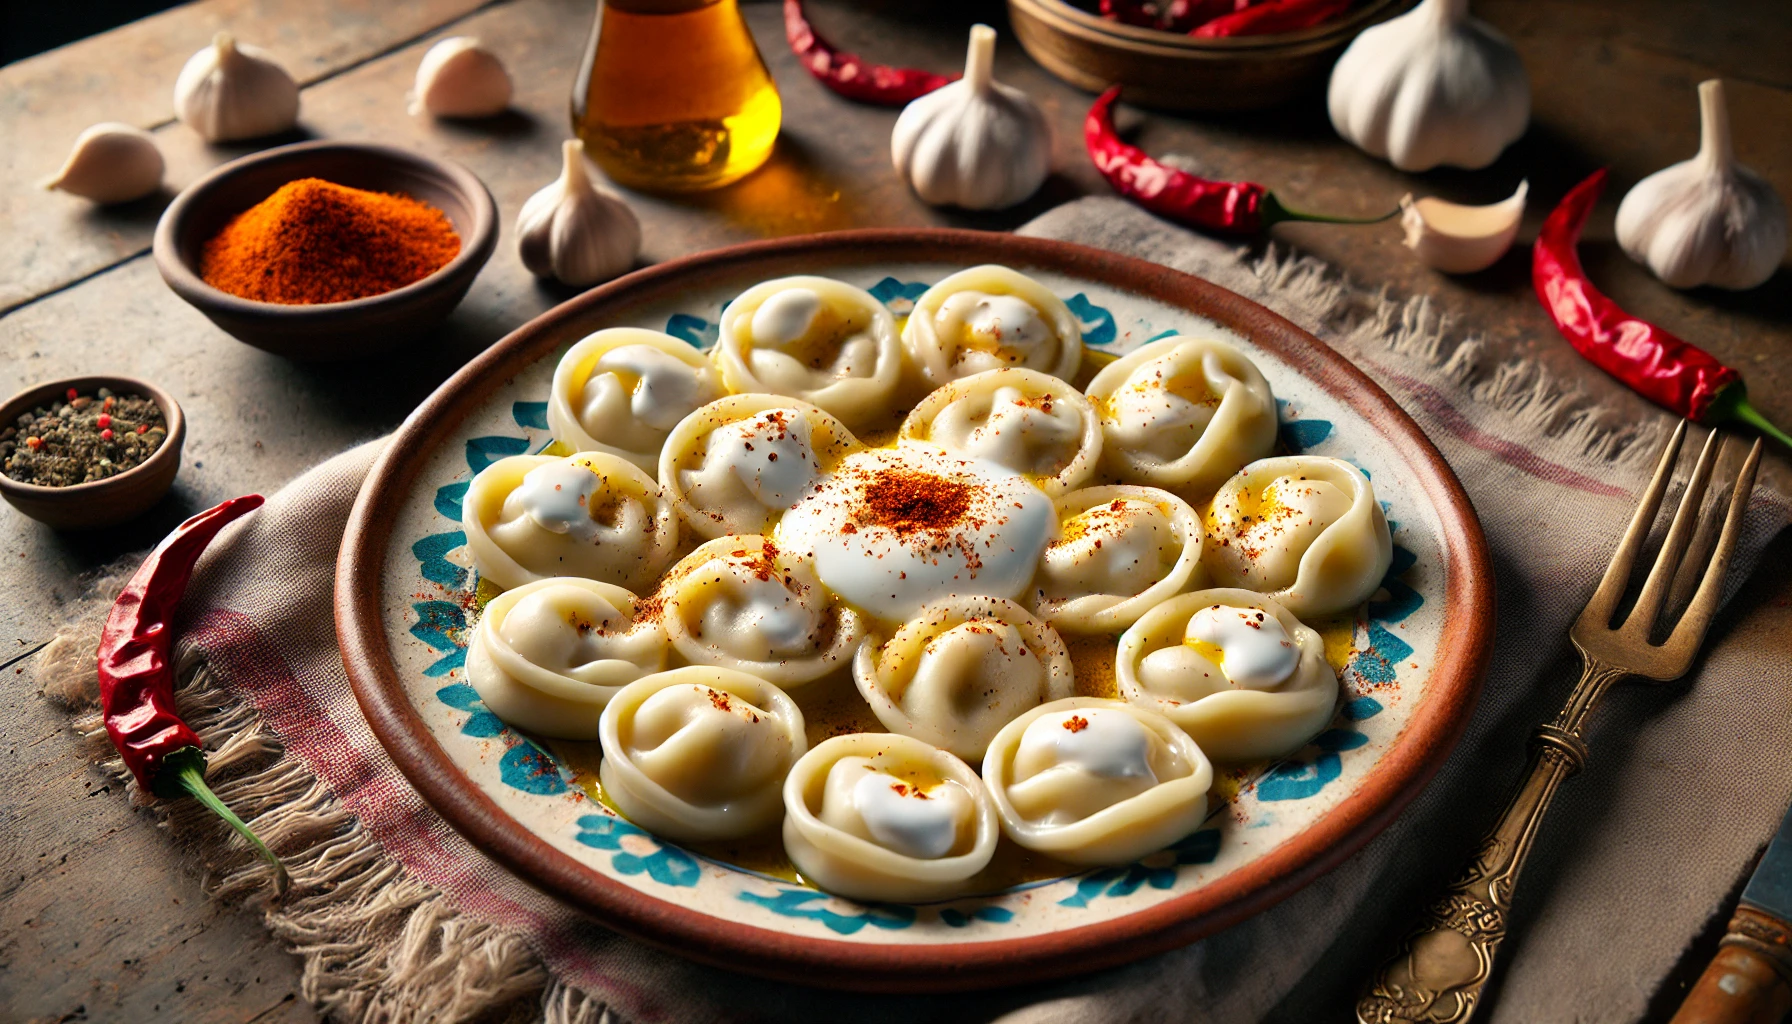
<point x="1440" y="968"/>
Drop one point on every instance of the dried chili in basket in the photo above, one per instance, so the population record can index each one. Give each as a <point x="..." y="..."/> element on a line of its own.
<point x="137" y="676"/>
<point x="1179" y="16"/>
<point x="849" y="74"/>
<point x="1667" y="370"/>
<point x="1272" y="18"/>
<point x="1229" y="207"/>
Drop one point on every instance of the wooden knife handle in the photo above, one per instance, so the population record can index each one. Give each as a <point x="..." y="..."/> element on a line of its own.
<point x="1750" y="979"/>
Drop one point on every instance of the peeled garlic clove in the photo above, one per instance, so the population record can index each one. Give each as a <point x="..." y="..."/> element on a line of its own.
<point x="461" y="78"/>
<point x="1708" y="220"/>
<point x="976" y="143"/>
<point x="1459" y="239"/>
<point x="573" y="232"/>
<point x="227" y="92"/>
<point x="111" y="163"/>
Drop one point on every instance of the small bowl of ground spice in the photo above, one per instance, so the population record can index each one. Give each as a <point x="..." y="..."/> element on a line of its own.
<point x="88" y="452"/>
<point x="328" y="250"/>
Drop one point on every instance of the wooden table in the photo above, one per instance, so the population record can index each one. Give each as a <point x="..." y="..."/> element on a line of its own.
<point x="99" y="919"/>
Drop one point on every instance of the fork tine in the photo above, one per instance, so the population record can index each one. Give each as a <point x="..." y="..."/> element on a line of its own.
<point x="1604" y="603"/>
<point x="1704" y="537"/>
<point x="1684" y="641"/>
<point x="1641" y="621"/>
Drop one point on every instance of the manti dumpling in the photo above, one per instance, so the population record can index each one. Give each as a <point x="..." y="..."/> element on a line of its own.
<point x="549" y="655"/>
<point x="813" y="338"/>
<point x="595" y="515"/>
<point x="735" y="602"/>
<point x="1183" y="414"/>
<point x="622" y="391"/>
<point x="1095" y="781"/>
<point x="962" y="668"/>
<point x="1303" y="529"/>
<point x="1237" y="671"/>
<point x="1030" y="422"/>
<point x="878" y="816"/>
<point x="1119" y="551"/>
<point x="738" y="463"/>
<point x="700" y="753"/>
<point x="987" y="318"/>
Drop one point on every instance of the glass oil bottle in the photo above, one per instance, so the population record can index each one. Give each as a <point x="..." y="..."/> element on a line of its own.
<point x="673" y="96"/>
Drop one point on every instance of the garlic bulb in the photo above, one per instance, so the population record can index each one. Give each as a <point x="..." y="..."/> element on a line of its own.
<point x="1430" y="87"/>
<point x="976" y="143"/>
<point x="573" y="232"/>
<point x="1459" y="239"/>
<point x="1708" y="220"/>
<point x="459" y="77"/>
<point x="111" y="163"/>
<point x="228" y="92"/>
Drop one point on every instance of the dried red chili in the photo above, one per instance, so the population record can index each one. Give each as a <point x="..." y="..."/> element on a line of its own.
<point x="849" y="74"/>
<point x="1663" y="368"/>
<point x="1231" y="207"/>
<point x="1179" y="16"/>
<point x="137" y="678"/>
<point x="1272" y="18"/>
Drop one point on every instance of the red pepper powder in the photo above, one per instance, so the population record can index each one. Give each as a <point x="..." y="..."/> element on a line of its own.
<point x="905" y="500"/>
<point x="313" y="241"/>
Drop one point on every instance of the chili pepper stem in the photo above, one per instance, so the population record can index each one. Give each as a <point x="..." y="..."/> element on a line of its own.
<point x="1732" y="404"/>
<point x="1275" y="213"/>
<point x="189" y="778"/>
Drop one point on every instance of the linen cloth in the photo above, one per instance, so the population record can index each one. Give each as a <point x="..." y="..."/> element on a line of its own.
<point x="1633" y="860"/>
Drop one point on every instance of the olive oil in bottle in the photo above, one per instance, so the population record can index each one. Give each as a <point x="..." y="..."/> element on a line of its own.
<point x="673" y="96"/>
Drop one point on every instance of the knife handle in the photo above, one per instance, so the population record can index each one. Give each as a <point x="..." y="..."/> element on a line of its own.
<point x="1750" y="979"/>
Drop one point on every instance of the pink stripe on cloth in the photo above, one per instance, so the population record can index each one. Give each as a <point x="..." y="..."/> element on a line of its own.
<point x="1446" y="415"/>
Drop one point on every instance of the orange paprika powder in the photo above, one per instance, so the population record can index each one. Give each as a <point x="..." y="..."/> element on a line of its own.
<point x="314" y="241"/>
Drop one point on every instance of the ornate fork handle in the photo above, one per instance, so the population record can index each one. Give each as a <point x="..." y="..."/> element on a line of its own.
<point x="1437" y="974"/>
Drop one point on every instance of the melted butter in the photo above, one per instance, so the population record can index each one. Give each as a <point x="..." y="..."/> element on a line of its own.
<point x="833" y="707"/>
<point x="1092" y="663"/>
<point x="556" y="449"/>
<point x="1093" y="362"/>
<point x="487" y="590"/>
<point x="1339" y="634"/>
<point x="1192" y="388"/>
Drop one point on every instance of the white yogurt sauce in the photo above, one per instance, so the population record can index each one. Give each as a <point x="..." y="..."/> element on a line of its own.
<point x="772" y="455"/>
<point x="666" y="389"/>
<point x="1256" y="652"/>
<point x="1107" y="744"/>
<point x="786" y="316"/>
<point x="557" y="496"/>
<point x="908" y="820"/>
<point x="1145" y="414"/>
<point x="979" y="322"/>
<point x="1026" y="436"/>
<point x="991" y="548"/>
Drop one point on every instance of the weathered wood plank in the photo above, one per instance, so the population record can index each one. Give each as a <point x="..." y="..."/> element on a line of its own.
<point x="128" y="75"/>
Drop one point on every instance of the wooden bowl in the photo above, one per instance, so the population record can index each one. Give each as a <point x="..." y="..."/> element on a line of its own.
<point x="105" y="502"/>
<point x="1178" y="72"/>
<point x="405" y="606"/>
<point x="335" y="330"/>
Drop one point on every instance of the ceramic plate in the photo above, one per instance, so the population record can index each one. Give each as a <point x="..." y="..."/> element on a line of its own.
<point x="404" y="599"/>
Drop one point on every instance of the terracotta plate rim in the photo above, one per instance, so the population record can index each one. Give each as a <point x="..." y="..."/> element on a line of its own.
<point x="1399" y="775"/>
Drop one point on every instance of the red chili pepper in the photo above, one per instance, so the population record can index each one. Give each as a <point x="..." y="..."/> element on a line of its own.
<point x="1272" y="18"/>
<point x="851" y="75"/>
<point x="137" y="677"/>
<point x="1179" y="16"/>
<point x="1665" y="369"/>
<point x="1232" y="207"/>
